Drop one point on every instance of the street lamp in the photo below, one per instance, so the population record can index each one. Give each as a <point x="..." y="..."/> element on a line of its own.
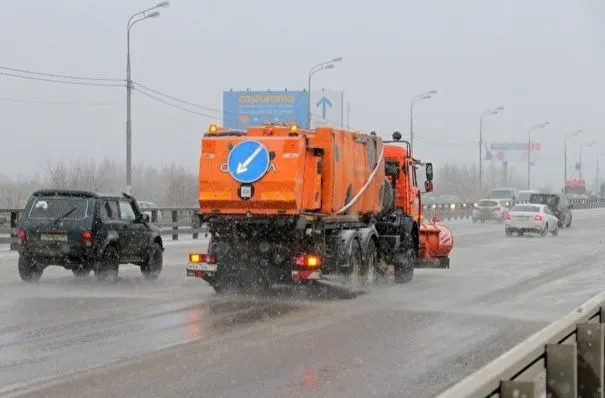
<point x="484" y="114"/>
<point x="567" y="136"/>
<point x="327" y="65"/>
<point x="534" y="127"/>
<point x="599" y="185"/>
<point x="145" y="14"/>
<point x="416" y="98"/>
<point x="587" y="145"/>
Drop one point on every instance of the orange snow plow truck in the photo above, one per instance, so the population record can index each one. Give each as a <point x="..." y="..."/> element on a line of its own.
<point x="287" y="205"/>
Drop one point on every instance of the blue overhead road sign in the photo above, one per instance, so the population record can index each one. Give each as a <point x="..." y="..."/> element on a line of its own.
<point x="323" y="103"/>
<point x="242" y="109"/>
<point x="248" y="161"/>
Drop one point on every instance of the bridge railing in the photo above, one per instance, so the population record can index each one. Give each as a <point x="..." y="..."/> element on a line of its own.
<point x="176" y="221"/>
<point x="563" y="360"/>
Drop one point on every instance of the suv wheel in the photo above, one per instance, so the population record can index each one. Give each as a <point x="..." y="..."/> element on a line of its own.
<point x="28" y="271"/>
<point x="153" y="266"/>
<point x="107" y="268"/>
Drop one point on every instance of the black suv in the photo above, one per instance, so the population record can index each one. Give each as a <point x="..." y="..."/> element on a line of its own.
<point x="557" y="203"/>
<point x="85" y="232"/>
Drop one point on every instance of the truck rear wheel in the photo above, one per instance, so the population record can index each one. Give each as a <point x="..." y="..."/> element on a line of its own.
<point x="371" y="260"/>
<point x="354" y="277"/>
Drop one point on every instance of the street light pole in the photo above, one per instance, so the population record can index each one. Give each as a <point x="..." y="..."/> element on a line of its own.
<point x="483" y="115"/>
<point x="567" y="136"/>
<point x="598" y="184"/>
<point x="327" y="65"/>
<point x="536" y="126"/>
<point x="418" y="97"/>
<point x="145" y="14"/>
<point x="587" y="145"/>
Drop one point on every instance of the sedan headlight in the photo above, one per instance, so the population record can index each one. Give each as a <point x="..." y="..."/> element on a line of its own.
<point x="452" y="206"/>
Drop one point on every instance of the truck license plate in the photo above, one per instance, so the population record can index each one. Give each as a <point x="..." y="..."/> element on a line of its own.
<point x="202" y="267"/>
<point x="246" y="192"/>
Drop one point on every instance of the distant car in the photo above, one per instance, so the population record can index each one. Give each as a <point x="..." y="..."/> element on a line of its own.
<point x="147" y="207"/>
<point x="530" y="218"/>
<point x="84" y="231"/>
<point x="489" y="210"/>
<point x="509" y="194"/>
<point x="558" y="205"/>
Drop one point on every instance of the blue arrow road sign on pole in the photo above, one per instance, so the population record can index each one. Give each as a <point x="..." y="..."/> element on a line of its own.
<point x="323" y="103"/>
<point x="248" y="161"/>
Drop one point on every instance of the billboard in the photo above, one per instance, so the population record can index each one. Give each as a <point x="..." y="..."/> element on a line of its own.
<point x="327" y="108"/>
<point x="242" y="109"/>
<point x="514" y="151"/>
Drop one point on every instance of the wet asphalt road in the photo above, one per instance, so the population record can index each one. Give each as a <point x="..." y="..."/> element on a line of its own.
<point x="175" y="338"/>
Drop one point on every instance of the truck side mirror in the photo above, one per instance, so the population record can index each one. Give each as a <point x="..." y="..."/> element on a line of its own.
<point x="429" y="172"/>
<point x="428" y="186"/>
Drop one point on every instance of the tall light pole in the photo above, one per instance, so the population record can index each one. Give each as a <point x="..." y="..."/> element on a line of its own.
<point x="567" y="136"/>
<point x="529" y="131"/>
<point x="599" y="185"/>
<point x="143" y="15"/>
<point x="483" y="115"/>
<point x="327" y="65"/>
<point x="587" y="145"/>
<point x="416" y="98"/>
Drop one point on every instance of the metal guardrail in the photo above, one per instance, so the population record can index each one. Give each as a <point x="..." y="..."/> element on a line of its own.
<point x="571" y="351"/>
<point x="175" y="221"/>
<point x="182" y="220"/>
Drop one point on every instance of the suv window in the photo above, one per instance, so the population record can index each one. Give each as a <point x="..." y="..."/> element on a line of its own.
<point x="545" y="199"/>
<point x="51" y="207"/>
<point x="126" y="211"/>
<point x="109" y="210"/>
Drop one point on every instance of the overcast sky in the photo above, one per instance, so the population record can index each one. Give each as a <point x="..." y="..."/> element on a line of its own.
<point x="540" y="59"/>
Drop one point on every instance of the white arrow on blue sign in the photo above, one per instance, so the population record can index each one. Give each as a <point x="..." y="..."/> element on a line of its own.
<point x="248" y="161"/>
<point x="324" y="102"/>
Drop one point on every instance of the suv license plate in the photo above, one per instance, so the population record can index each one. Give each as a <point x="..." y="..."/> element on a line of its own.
<point x="54" y="237"/>
<point x="202" y="267"/>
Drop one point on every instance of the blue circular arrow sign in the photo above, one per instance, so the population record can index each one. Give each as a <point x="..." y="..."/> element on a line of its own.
<point x="248" y="161"/>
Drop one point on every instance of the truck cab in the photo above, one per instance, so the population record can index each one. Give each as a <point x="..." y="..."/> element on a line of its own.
<point x="401" y="170"/>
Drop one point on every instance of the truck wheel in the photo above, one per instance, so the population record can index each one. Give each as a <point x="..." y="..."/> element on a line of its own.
<point x="404" y="267"/>
<point x="28" y="271"/>
<point x="153" y="266"/>
<point x="354" y="275"/>
<point x="81" y="272"/>
<point x="107" y="268"/>
<point x="371" y="263"/>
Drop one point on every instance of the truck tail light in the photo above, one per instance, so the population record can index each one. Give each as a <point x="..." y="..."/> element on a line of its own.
<point x="86" y="238"/>
<point x="307" y="261"/>
<point x="21" y="236"/>
<point x="197" y="258"/>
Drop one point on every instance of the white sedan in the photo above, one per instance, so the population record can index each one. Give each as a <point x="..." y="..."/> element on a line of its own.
<point x="534" y="218"/>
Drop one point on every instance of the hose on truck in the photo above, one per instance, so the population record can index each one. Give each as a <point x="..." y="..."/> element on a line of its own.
<point x="366" y="185"/>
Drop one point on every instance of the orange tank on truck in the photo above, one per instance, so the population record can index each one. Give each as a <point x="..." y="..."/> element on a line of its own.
<point x="289" y="205"/>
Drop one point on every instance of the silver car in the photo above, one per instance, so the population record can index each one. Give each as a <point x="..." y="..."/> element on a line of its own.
<point x="490" y="209"/>
<point x="532" y="218"/>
